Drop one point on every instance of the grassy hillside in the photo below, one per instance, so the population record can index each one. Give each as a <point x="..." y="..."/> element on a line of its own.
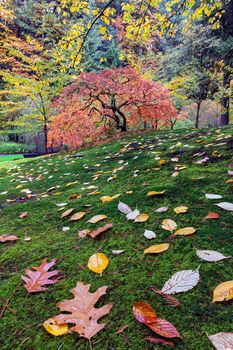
<point x="130" y="165"/>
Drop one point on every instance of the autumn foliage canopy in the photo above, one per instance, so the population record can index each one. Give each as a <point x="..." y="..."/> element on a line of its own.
<point x="97" y="104"/>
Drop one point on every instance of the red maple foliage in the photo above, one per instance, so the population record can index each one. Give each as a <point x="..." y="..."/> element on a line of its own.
<point x="113" y="99"/>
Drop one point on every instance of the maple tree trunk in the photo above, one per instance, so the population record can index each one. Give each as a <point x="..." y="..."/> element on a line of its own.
<point x="123" y="126"/>
<point x="225" y="101"/>
<point x="45" y="135"/>
<point x="198" y="114"/>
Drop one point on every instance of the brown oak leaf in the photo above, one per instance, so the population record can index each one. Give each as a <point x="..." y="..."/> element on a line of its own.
<point x="169" y="299"/>
<point x="82" y="311"/>
<point x="40" y="277"/>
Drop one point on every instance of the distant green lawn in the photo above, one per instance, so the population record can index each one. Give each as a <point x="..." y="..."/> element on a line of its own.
<point x="12" y="148"/>
<point x="117" y="168"/>
<point x="10" y="158"/>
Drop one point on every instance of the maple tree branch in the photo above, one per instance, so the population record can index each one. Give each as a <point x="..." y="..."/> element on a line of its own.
<point x="89" y="30"/>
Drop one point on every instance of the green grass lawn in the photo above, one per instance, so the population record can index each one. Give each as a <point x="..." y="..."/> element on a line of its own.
<point x="10" y="158"/>
<point x="12" y="147"/>
<point x="133" y="164"/>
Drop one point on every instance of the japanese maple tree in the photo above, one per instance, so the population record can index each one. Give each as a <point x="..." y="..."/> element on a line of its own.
<point x="114" y="98"/>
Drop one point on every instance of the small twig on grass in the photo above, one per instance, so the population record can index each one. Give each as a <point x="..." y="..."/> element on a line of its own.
<point x="8" y="307"/>
<point x="8" y="300"/>
<point x="91" y="348"/>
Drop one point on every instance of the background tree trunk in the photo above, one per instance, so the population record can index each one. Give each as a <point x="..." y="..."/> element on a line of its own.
<point x="198" y="114"/>
<point x="225" y="101"/>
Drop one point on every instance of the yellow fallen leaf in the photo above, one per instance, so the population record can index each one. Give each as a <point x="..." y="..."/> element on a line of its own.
<point x="53" y="328"/>
<point x="162" y="162"/>
<point x="129" y="192"/>
<point x="97" y="218"/>
<point x="181" y="209"/>
<point x="141" y="218"/>
<point x="185" y="231"/>
<point x="116" y="196"/>
<point x="67" y="213"/>
<point x="93" y="193"/>
<point x="106" y="199"/>
<point x="156" y="248"/>
<point x="155" y="193"/>
<point x="175" y="174"/>
<point x="223" y="292"/>
<point x="230" y="181"/>
<point x="169" y="225"/>
<point x="98" y="263"/>
<point x="77" y="216"/>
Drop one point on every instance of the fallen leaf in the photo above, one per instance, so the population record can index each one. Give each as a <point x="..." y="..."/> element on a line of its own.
<point x="212" y="215"/>
<point x="159" y="340"/>
<point x="106" y="199"/>
<point x="98" y="263"/>
<point x="8" y="238"/>
<point x="83" y="233"/>
<point x="211" y="255"/>
<point x="162" y="210"/>
<point x="53" y="328"/>
<point x="164" y="328"/>
<point x="223" y="292"/>
<point x="180" y="210"/>
<point x="75" y="196"/>
<point x="100" y="230"/>
<point x="40" y="277"/>
<point x="67" y="213"/>
<point x="27" y="239"/>
<point x="186" y="231"/>
<point x="97" y="218"/>
<point x="82" y="312"/>
<point x="213" y="196"/>
<point x="170" y="300"/>
<point x="124" y="208"/>
<point x="225" y="205"/>
<point x="169" y="225"/>
<point x="117" y="252"/>
<point x="155" y="193"/>
<point x="222" y="341"/>
<point x="144" y="313"/>
<point x="133" y="214"/>
<point x="141" y="218"/>
<point x="149" y="234"/>
<point x="23" y="215"/>
<point x="181" y="281"/>
<point x="77" y="216"/>
<point x="157" y="248"/>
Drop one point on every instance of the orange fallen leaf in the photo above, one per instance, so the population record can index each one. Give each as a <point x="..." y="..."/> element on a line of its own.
<point x="212" y="215"/>
<point x="100" y="230"/>
<point x="23" y="215"/>
<point x="8" y="238"/>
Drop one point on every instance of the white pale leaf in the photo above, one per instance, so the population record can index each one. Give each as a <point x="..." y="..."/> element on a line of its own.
<point x="181" y="281"/>
<point x="124" y="208"/>
<point x="222" y="341"/>
<point x="211" y="255"/>
<point x="61" y="204"/>
<point x="162" y="210"/>
<point x="117" y="252"/>
<point x="133" y="214"/>
<point x="149" y="234"/>
<point x="225" y="205"/>
<point x="213" y="196"/>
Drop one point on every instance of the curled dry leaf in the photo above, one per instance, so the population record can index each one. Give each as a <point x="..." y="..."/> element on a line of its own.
<point x="223" y="292"/>
<point x="169" y="299"/>
<point x="124" y="208"/>
<point x="82" y="312"/>
<point x="164" y="328"/>
<point x="41" y="276"/>
<point x="181" y="281"/>
<point x="144" y="313"/>
<point x="98" y="263"/>
<point x="180" y="210"/>
<point x="100" y="230"/>
<point x="8" y="238"/>
<point x="211" y="255"/>
<point x="54" y="328"/>
<point x="141" y="218"/>
<point x="159" y="340"/>
<point x="169" y="225"/>
<point x="67" y="213"/>
<point x="133" y="214"/>
<point x="212" y="215"/>
<point x="78" y="216"/>
<point x="155" y="193"/>
<point x="97" y="218"/>
<point x="222" y="341"/>
<point x="156" y="248"/>
<point x="186" y="231"/>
